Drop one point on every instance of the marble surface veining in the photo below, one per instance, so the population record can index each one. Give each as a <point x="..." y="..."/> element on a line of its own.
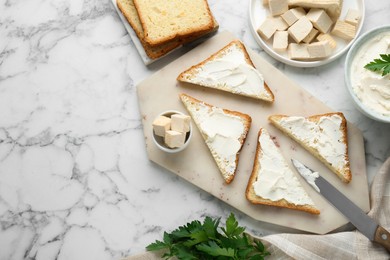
<point x="75" y="181"/>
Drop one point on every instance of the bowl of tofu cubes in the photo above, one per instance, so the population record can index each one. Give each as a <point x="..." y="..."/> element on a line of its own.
<point x="172" y="131"/>
<point x="306" y="33"/>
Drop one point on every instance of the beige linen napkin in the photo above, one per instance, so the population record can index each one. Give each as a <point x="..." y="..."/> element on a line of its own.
<point x="343" y="245"/>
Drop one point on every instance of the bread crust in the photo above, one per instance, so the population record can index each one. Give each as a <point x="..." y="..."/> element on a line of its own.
<point x="190" y="73"/>
<point x="149" y="27"/>
<point x="245" y="119"/>
<point x="252" y="196"/>
<point x="345" y="173"/>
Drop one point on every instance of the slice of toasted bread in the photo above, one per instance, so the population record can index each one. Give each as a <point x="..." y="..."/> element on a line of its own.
<point x="324" y="135"/>
<point x="229" y="69"/>
<point x="272" y="182"/>
<point x="224" y="131"/>
<point x="163" y="21"/>
<point x="129" y="11"/>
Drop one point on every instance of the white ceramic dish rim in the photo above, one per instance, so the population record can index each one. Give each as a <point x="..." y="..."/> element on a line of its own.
<point x="303" y="64"/>
<point x="167" y="149"/>
<point x="347" y="71"/>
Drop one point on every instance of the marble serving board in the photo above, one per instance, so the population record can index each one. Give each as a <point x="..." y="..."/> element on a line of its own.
<point x="161" y="91"/>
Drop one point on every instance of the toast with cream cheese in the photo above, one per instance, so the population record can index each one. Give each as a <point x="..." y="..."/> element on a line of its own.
<point x="272" y="182"/>
<point x="324" y="136"/>
<point x="229" y="69"/>
<point x="224" y="132"/>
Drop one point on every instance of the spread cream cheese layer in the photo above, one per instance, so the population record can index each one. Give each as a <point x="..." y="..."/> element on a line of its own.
<point x="231" y="71"/>
<point x="370" y="87"/>
<point x="325" y="136"/>
<point x="223" y="132"/>
<point x="275" y="179"/>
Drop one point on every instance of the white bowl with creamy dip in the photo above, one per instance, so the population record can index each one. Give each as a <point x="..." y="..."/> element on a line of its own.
<point x="369" y="90"/>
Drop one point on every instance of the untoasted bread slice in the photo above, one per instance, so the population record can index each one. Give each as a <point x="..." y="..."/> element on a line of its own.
<point x="324" y="135"/>
<point x="129" y="11"/>
<point x="272" y="182"/>
<point x="224" y="132"/>
<point x="230" y="69"/>
<point x="163" y="21"/>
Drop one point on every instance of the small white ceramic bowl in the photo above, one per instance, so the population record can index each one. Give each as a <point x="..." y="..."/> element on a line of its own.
<point x="159" y="140"/>
<point x="347" y="73"/>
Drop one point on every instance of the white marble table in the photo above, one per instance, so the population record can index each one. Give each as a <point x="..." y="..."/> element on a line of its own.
<point x="75" y="181"/>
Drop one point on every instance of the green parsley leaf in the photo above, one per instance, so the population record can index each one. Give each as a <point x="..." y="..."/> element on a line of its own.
<point x="213" y="249"/>
<point x="158" y="245"/>
<point x="197" y="240"/>
<point x="382" y="64"/>
<point x="232" y="228"/>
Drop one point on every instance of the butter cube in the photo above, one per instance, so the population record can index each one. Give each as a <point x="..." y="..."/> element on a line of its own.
<point x="300" y="29"/>
<point x="174" y="139"/>
<point x="311" y="36"/>
<point x="267" y="28"/>
<point x="278" y="7"/>
<point x="292" y="15"/>
<point x="180" y="123"/>
<point x="298" y="51"/>
<point x="280" y="41"/>
<point x="161" y="124"/>
<point x="344" y="30"/>
<point x="319" y="50"/>
<point x="352" y="17"/>
<point x="327" y="37"/>
<point x="320" y="20"/>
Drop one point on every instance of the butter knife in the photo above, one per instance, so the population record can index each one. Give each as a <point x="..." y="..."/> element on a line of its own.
<point x="366" y="225"/>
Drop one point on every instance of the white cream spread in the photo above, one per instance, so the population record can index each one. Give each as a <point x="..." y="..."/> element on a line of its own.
<point x="223" y="132"/>
<point x="308" y="174"/>
<point x="275" y="179"/>
<point x="370" y="87"/>
<point x="325" y="136"/>
<point x="231" y="71"/>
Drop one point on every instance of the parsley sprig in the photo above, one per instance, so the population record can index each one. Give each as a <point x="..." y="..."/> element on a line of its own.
<point x="382" y="64"/>
<point x="197" y="240"/>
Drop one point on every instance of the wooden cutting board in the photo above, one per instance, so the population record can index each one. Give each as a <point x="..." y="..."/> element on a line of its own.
<point x="195" y="164"/>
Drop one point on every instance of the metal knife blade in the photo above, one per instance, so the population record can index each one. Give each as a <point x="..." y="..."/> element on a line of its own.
<point x="366" y="225"/>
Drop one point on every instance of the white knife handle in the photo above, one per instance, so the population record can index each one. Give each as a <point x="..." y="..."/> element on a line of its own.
<point x="382" y="237"/>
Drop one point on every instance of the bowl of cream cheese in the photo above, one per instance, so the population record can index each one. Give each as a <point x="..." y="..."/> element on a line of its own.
<point x="370" y="90"/>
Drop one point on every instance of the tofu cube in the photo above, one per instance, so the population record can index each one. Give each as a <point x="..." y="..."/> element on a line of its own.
<point x="311" y="36"/>
<point x="327" y="37"/>
<point x="180" y="123"/>
<point x="174" y="139"/>
<point x="320" y="20"/>
<point x="280" y="24"/>
<point x="298" y="51"/>
<point x="299" y="30"/>
<point x="319" y="50"/>
<point x="353" y="17"/>
<point x="267" y="29"/>
<point x="344" y="30"/>
<point x="292" y="15"/>
<point x="280" y="41"/>
<point x="161" y="124"/>
<point x="278" y="7"/>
